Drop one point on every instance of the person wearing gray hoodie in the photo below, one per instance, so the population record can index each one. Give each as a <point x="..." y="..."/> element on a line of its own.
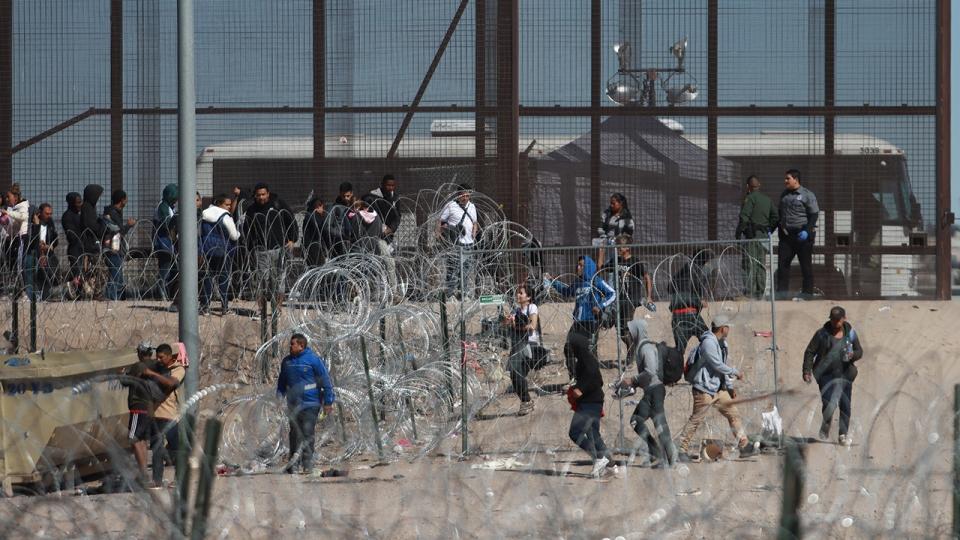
<point x="650" y="379"/>
<point x="713" y="384"/>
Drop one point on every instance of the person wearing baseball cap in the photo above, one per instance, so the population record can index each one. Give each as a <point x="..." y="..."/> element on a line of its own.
<point x="712" y="379"/>
<point x="829" y="358"/>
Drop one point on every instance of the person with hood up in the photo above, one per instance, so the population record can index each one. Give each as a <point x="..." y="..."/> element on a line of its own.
<point x="650" y="379"/>
<point x="712" y="380"/>
<point x="305" y="383"/>
<point x="165" y="241"/>
<point x="586" y="399"/>
<point x="72" y="229"/>
<point x="313" y="225"/>
<point x="688" y="287"/>
<point x="592" y="295"/>
<point x="218" y="241"/>
<point x="93" y="228"/>
<point x="829" y="359"/>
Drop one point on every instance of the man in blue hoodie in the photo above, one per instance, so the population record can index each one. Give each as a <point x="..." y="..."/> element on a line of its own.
<point x="712" y="380"/>
<point x="305" y="382"/>
<point x="592" y="295"/>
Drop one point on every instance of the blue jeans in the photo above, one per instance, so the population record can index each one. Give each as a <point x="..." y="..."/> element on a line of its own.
<point x="115" y="285"/>
<point x="837" y="389"/>
<point x="585" y="430"/>
<point x="303" y="426"/>
<point x="30" y="277"/>
<point x="167" y="266"/>
<point x="454" y="269"/>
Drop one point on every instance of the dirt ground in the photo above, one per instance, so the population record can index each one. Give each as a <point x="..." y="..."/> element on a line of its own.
<point x="524" y="478"/>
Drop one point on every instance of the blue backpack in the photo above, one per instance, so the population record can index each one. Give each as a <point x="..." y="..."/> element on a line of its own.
<point x="213" y="239"/>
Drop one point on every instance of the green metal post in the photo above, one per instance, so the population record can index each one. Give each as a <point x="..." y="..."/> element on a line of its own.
<point x="373" y="405"/>
<point x="201" y="508"/>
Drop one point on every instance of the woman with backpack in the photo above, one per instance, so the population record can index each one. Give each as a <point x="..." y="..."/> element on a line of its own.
<point x="525" y="352"/>
<point x="218" y="240"/>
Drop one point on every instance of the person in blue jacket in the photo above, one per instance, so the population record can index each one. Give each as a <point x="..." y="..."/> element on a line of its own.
<point x="305" y="382"/>
<point x="592" y="295"/>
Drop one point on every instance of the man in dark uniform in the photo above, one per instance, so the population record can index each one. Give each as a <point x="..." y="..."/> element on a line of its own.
<point x="798" y="226"/>
<point x="758" y="217"/>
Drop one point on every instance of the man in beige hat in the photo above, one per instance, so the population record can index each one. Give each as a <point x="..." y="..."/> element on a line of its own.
<point x="712" y="379"/>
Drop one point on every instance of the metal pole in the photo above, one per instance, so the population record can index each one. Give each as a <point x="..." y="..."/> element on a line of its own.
<point x="464" y="416"/>
<point x="15" y="321"/>
<point x="445" y="343"/>
<point x="792" y="493"/>
<point x="201" y="508"/>
<point x="116" y="95"/>
<point x="187" y="224"/>
<point x="944" y="216"/>
<point x="621" y="442"/>
<point x="773" y="333"/>
<point x="33" y="304"/>
<point x="6" y="93"/>
<point x="373" y="406"/>
<point x="956" y="461"/>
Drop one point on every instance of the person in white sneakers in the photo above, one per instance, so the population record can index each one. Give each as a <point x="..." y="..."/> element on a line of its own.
<point x="829" y="359"/>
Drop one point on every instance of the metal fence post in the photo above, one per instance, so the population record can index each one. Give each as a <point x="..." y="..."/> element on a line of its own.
<point x="773" y="334"/>
<point x="373" y="406"/>
<point x="15" y="322"/>
<point x="464" y="413"/>
<point x="445" y="344"/>
<point x="33" y="307"/>
<point x="956" y="461"/>
<point x="621" y="439"/>
<point x="793" y="462"/>
<point x="201" y="508"/>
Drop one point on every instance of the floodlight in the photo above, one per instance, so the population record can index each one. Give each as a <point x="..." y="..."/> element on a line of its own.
<point x="679" y="50"/>
<point x="623" y="89"/>
<point x="683" y="94"/>
<point x="623" y="52"/>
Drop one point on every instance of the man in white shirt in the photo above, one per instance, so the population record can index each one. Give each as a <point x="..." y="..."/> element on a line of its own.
<point x="458" y="226"/>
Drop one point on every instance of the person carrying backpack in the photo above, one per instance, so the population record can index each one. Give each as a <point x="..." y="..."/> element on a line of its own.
<point x="829" y="359"/>
<point x="657" y="365"/>
<point x="218" y="237"/>
<point x="526" y="353"/>
<point x="712" y="379"/>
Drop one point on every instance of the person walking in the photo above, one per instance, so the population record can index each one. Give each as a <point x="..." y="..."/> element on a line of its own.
<point x="306" y="385"/>
<point x="635" y="286"/>
<point x="115" y="245"/>
<point x="712" y="380"/>
<point x="830" y="359"/>
<point x="592" y="295"/>
<point x="798" y="227"/>
<point x="586" y="399"/>
<point x="72" y="229"/>
<point x="758" y="217"/>
<point x="688" y="287"/>
<point x="651" y="407"/>
<point x="524" y="323"/>
<point x="218" y="242"/>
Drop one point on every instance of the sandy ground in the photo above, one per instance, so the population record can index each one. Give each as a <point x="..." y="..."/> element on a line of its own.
<point x="893" y="482"/>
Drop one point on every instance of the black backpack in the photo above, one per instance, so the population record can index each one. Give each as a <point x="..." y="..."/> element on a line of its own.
<point x="671" y="363"/>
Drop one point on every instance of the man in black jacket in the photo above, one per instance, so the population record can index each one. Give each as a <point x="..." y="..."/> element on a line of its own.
<point x="270" y="231"/>
<point x="72" y="229"/>
<point x="313" y="224"/>
<point x="829" y="359"/>
<point x="337" y="233"/>
<point x="384" y="201"/>
<point x="115" y="243"/>
<point x="586" y="400"/>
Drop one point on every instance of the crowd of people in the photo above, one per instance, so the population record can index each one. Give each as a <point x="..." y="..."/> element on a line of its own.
<point x="256" y="228"/>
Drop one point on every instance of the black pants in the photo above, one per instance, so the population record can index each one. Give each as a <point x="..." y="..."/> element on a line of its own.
<point x="585" y="430"/>
<point x="303" y="425"/>
<point x="584" y="328"/>
<point x="627" y="310"/>
<point x="651" y="407"/>
<point x="790" y="247"/>
<point x="165" y="431"/>
<point x="519" y="366"/>
<point x="686" y="326"/>
<point x="837" y="389"/>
